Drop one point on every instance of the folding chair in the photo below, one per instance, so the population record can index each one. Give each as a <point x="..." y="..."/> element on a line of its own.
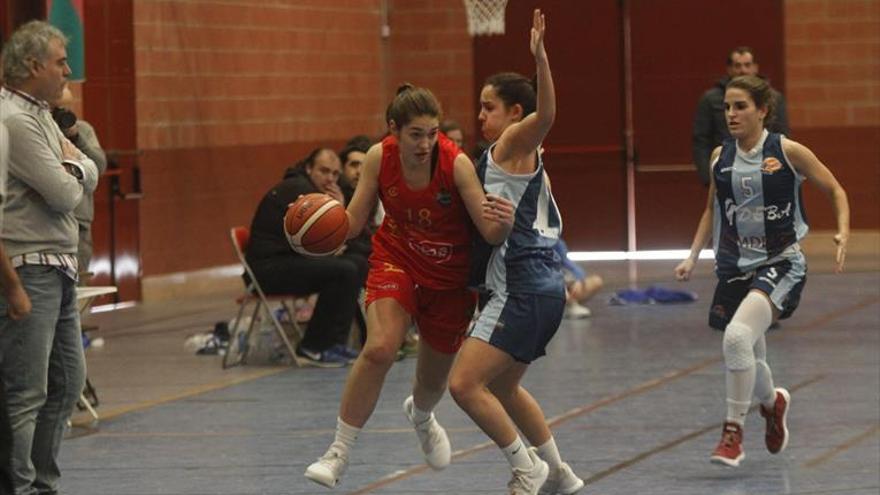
<point x="239" y="343"/>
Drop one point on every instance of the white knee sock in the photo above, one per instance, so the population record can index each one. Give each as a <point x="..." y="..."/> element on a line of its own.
<point x="517" y="455"/>
<point x="765" y="391"/>
<point x="346" y="435"/>
<point x="549" y="453"/>
<point x="742" y="334"/>
<point x="739" y="386"/>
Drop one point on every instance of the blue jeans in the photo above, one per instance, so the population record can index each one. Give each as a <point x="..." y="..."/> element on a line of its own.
<point x="44" y="373"/>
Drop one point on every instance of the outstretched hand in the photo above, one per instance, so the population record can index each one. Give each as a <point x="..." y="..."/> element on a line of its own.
<point x="537" y="40"/>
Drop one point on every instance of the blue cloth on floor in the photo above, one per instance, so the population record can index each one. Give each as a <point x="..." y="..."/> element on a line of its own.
<point x="652" y="295"/>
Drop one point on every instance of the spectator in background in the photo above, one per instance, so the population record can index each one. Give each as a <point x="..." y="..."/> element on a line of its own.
<point x="710" y="125"/>
<point x="81" y="134"/>
<point x="336" y="279"/>
<point x="453" y="131"/>
<point x="42" y="355"/>
<point x="579" y="287"/>
<point x="360" y="141"/>
<point x="352" y="158"/>
<point x="18" y="305"/>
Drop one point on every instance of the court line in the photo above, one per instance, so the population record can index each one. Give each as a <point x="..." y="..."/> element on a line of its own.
<point x="680" y="440"/>
<point x="848" y="444"/>
<point x="190" y="392"/>
<point x="644" y="387"/>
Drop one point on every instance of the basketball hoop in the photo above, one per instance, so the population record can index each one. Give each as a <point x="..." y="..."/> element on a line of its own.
<point x="485" y="17"/>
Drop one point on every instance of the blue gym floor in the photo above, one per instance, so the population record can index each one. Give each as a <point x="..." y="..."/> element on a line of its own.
<point x="635" y="396"/>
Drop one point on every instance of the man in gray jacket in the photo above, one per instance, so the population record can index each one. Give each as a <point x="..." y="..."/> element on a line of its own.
<point x="41" y="355"/>
<point x="710" y="123"/>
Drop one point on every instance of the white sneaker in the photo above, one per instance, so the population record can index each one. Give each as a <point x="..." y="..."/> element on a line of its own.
<point x="328" y="470"/>
<point x="529" y="481"/>
<point x="575" y="311"/>
<point x="562" y="481"/>
<point x="432" y="437"/>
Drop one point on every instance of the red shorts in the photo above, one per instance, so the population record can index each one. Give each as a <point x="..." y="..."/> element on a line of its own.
<point x="442" y="315"/>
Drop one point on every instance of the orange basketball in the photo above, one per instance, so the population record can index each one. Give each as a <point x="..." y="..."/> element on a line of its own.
<point x="316" y="225"/>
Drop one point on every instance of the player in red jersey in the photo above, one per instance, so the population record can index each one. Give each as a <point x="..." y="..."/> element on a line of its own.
<point x="418" y="270"/>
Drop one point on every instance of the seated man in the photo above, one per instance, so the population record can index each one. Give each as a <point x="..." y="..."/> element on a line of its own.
<point x="336" y="279"/>
<point x="579" y="287"/>
<point x="453" y="131"/>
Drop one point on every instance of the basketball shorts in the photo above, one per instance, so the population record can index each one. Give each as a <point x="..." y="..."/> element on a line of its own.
<point x="782" y="281"/>
<point x="441" y="315"/>
<point x="519" y="324"/>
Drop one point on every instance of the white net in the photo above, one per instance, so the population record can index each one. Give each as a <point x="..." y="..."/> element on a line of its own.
<point x="485" y="17"/>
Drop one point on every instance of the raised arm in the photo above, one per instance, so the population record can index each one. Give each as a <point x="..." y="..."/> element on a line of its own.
<point x="492" y="215"/>
<point x="524" y="137"/>
<point x="365" y="194"/>
<point x="704" y="229"/>
<point x="807" y="164"/>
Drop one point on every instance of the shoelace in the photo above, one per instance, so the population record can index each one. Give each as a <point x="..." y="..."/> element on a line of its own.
<point x="520" y="481"/>
<point x="331" y="457"/>
<point x="729" y="438"/>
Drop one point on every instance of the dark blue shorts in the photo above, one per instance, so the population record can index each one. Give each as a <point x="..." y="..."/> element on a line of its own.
<point x="782" y="281"/>
<point x="519" y="324"/>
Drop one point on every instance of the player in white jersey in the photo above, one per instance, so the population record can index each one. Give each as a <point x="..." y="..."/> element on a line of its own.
<point x="524" y="276"/>
<point x="755" y="189"/>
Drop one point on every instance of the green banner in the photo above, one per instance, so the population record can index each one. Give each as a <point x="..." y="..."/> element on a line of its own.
<point x="67" y="15"/>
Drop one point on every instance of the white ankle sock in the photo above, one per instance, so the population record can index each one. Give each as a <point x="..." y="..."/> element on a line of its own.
<point x="418" y="415"/>
<point x="517" y="455"/>
<point x="550" y="454"/>
<point x="346" y="435"/>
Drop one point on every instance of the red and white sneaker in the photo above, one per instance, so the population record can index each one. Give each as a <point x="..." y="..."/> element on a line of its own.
<point x="776" y="437"/>
<point x="729" y="451"/>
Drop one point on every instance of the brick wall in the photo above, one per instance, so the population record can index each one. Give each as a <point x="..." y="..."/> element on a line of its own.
<point x="229" y="93"/>
<point x="832" y="53"/>
<point x="221" y="73"/>
<point x="832" y="64"/>
<point x="430" y="47"/>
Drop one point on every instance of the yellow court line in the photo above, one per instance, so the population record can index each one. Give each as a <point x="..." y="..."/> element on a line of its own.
<point x="198" y="390"/>
<point x="848" y="444"/>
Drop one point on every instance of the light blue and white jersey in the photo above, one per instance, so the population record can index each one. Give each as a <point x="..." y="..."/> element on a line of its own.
<point x="759" y="215"/>
<point x="526" y="262"/>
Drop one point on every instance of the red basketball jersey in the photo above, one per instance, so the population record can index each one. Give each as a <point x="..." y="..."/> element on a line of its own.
<point x="426" y="233"/>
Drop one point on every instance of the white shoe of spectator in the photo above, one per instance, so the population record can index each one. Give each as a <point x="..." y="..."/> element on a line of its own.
<point x="574" y="311"/>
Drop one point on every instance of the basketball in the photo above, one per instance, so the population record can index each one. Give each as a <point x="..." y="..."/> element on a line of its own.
<point x="316" y="225"/>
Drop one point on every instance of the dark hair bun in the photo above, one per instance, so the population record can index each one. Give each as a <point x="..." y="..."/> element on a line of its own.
<point x="404" y="88"/>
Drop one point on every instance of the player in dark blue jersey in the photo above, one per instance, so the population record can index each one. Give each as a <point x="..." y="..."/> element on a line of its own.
<point x="526" y="288"/>
<point x="755" y="216"/>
